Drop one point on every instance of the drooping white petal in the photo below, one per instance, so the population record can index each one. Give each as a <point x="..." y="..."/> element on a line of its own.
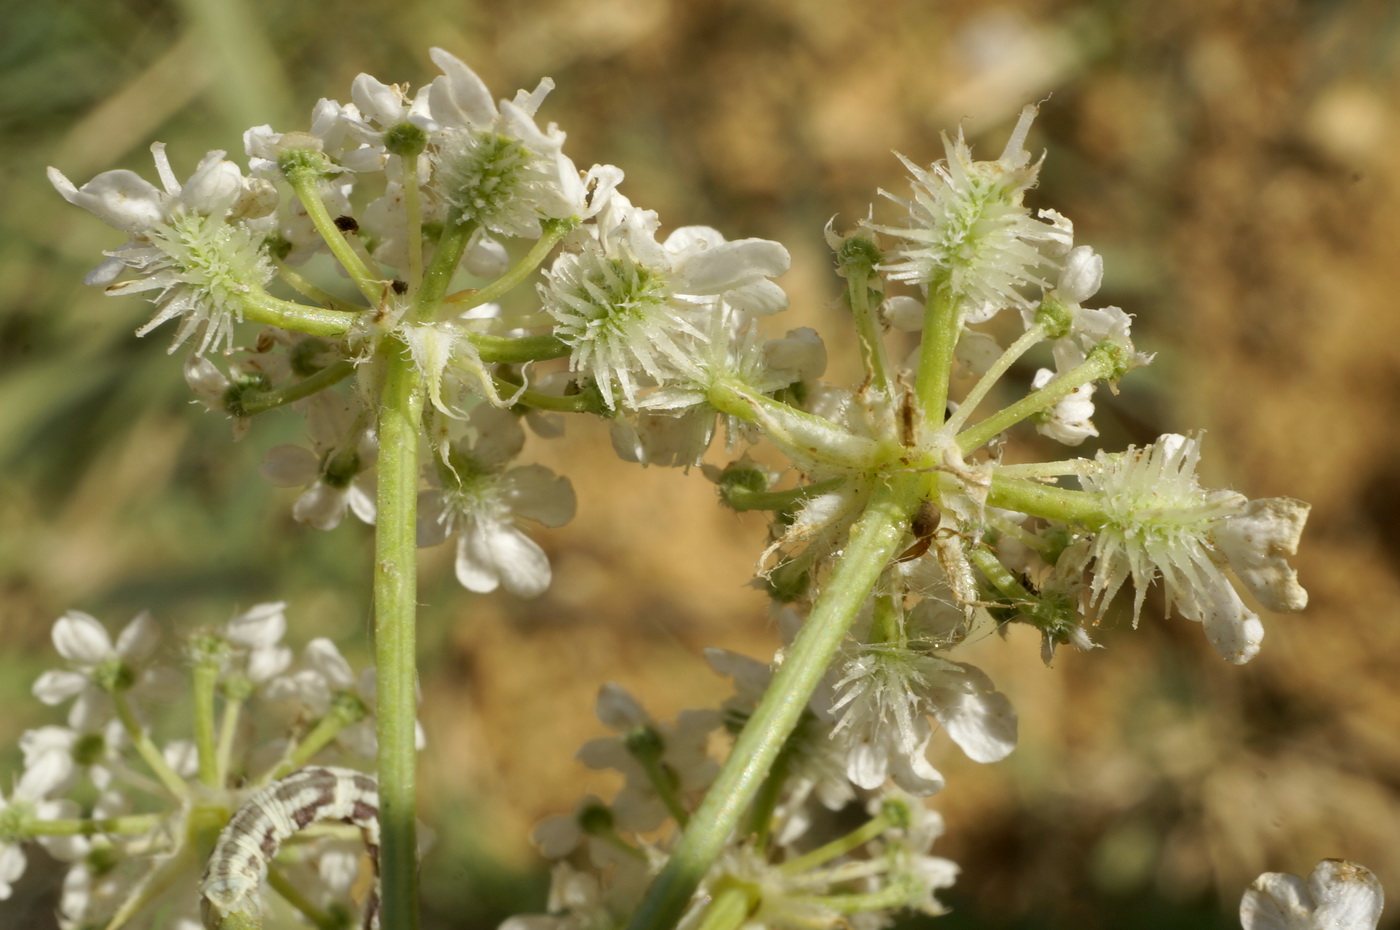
<point x="1257" y="543"/>
<point x="122" y="199"/>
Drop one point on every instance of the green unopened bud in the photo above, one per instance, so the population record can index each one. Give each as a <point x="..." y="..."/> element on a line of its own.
<point x="1055" y="317"/>
<point x="305" y="163"/>
<point x="405" y="140"/>
<point x="596" y="820"/>
<point x="858" y="252"/>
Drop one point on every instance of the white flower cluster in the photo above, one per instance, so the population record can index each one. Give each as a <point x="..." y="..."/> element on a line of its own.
<point x="903" y="523"/>
<point x="805" y="871"/>
<point x="88" y="788"/>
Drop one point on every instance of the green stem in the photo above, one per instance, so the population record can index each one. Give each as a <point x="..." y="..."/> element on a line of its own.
<point x="999" y="576"/>
<point x="806" y="437"/>
<point x="1047" y="501"/>
<point x="872" y="543"/>
<point x="553" y="231"/>
<point x="261" y="307"/>
<point x="413" y="219"/>
<point x="518" y="350"/>
<point x="206" y="679"/>
<point x="941" y="320"/>
<point x="395" y="604"/>
<point x="562" y="403"/>
<point x="298" y="282"/>
<point x="452" y="242"/>
<point x="1097" y="365"/>
<point x="766" y="801"/>
<point x="992" y="375"/>
<point x="837" y="847"/>
<point x="306" y="185"/>
<point x="293" y="896"/>
<point x="895" y="895"/>
<point x="228" y="731"/>
<point x="872" y="345"/>
<point x="255" y="402"/>
<point x="131" y="824"/>
<point x="141" y="740"/>
<point x="740" y="498"/>
<point x="325" y="730"/>
<point x="729" y="908"/>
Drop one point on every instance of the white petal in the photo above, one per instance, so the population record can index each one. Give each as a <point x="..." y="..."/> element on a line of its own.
<point x="1081" y="276"/>
<point x="320" y="506"/>
<point x="979" y="718"/>
<point x="325" y="658"/>
<point x="521" y="565"/>
<point x="473" y="573"/>
<point x="12" y="864"/>
<point x="1276" y="901"/>
<point x="433" y="525"/>
<point x="459" y="97"/>
<point x="120" y="198"/>
<point x="289" y="466"/>
<point x="55" y="687"/>
<point x="139" y="638"/>
<point x="1232" y="628"/>
<point x="259" y="627"/>
<point x="536" y="493"/>
<point x="1348" y="896"/>
<point x="1257" y="544"/>
<point x="723" y="267"/>
<point x="378" y="102"/>
<point x="78" y="637"/>
<point x="618" y="710"/>
<point x="867" y="766"/>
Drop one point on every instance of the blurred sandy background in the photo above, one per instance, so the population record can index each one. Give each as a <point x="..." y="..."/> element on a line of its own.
<point x="1235" y="164"/>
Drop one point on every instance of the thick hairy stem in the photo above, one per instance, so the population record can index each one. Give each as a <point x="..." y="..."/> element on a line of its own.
<point x="395" y="606"/>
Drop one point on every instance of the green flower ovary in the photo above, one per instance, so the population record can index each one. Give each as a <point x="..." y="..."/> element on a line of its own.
<point x="220" y="261"/>
<point x="615" y="299"/>
<point x="483" y="173"/>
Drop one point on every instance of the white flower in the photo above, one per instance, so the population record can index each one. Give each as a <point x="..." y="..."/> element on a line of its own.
<point x="325" y="680"/>
<point x="494" y="166"/>
<point x="337" y="472"/>
<point x="1338" y="895"/>
<point x="968" y="230"/>
<point x="1159" y="520"/>
<point x="99" y="667"/>
<point x="633" y="310"/>
<point x="1070" y="420"/>
<point x="257" y="634"/>
<point x="480" y="501"/>
<point x="679" y="750"/>
<point x="882" y="701"/>
<point x="187" y="242"/>
<point x="29" y="802"/>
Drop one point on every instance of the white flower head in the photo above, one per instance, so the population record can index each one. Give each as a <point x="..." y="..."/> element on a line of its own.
<point x="1070" y="421"/>
<point x="337" y="472"/>
<point x="1161" y="521"/>
<point x="635" y="311"/>
<point x="494" y="166"/>
<point x="882" y="702"/>
<point x="480" y="502"/>
<point x="98" y="666"/>
<point x="968" y="230"/>
<point x="1338" y="895"/>
<point x="188" y="242"/>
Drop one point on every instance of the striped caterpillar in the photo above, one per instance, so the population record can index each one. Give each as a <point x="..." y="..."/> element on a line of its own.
<point x="238" y="865"/>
